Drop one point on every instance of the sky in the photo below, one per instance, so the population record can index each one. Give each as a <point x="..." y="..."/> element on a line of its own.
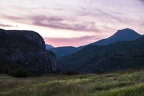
<point x="72" y="22"/>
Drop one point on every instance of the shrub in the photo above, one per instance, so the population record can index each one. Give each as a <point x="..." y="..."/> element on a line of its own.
<point x="1" y="71"/>
<point x="99" y="70"/>
<point x="70" y="73"/>
<point x="20" y="73"/>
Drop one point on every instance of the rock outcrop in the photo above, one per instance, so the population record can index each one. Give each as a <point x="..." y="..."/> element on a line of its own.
<point x="25" y="49"/>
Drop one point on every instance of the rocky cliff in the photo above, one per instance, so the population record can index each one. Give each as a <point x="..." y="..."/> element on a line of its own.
<point x="25" y="49"/>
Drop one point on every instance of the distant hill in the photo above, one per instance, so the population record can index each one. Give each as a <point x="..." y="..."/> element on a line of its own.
<point x="49" y="47"/>
<point x="121" y="35"/>
<point x="63" y="51"/>
<point x="111" y="57"/>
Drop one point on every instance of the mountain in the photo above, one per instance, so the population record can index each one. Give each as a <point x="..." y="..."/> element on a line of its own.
<point x="63" y="51"/>
<point x="26" y="50"/>
<point x="49" y="47"/>
<point x="111" y="57"/>
<point x="121" y="35"/>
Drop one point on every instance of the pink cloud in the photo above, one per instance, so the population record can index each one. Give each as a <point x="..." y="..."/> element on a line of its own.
<point x="19" y="19"/>
<point x="107" y="16"/>
<point x="142" y="1"/>
<point x="6" y="25"/>
<point x="97" y="15"/>
<point x="57" y="22"/>
<point x="70" y="41"/>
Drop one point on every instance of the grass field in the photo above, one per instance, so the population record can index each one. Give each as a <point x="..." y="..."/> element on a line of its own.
<point x="126" y="83"/>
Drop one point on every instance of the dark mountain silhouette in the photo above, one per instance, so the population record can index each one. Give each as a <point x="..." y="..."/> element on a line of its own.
<point x="63" y="51"/>
<point x="26" y="50"/>
<point x="121" y="35"/>
<point x="49" y="47"/>
<point x="111" y="57"/>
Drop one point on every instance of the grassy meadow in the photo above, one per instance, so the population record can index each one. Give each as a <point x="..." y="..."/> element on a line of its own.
<point x="123" y="83"/>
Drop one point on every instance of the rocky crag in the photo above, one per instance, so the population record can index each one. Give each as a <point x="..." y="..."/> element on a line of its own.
<point x="25" y="49"/>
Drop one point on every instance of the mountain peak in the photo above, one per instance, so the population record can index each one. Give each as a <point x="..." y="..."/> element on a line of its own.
<point x="126" y="34"/>
<point x="127" y="31"/>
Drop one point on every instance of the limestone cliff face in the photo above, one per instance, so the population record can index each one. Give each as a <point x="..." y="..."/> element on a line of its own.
<point x="25" y="49"/>
<point x="19" y="39"/>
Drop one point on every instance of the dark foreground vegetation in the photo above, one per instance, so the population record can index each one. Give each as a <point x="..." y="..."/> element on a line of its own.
<point x="122" y="83"/>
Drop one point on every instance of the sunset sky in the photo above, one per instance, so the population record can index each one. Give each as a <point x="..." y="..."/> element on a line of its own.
<point x="72" y="22"/>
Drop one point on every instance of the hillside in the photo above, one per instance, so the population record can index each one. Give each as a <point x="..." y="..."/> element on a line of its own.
<point x="63" y="51"/>
<point x="49" y="47"/>
<point x="112" y="57"/>
<point x="121" y="35"/>
<point x="126" y="83"/>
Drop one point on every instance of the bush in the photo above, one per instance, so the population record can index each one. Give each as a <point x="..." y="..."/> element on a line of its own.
<point x="20" y="73"/>
<point x="1" y="71"/>
<point x="70" y="73"/>
<point x="99" y="71"/>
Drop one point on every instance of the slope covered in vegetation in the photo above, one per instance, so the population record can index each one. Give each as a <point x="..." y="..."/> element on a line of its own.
<point x="125" y="83"/>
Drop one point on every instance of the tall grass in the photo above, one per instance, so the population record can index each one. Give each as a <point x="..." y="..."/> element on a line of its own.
<point x="110" y="84"/>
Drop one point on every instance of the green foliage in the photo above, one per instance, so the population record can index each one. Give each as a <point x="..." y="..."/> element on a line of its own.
<point x="126" y="83"/>
<point x="136" y="90"/>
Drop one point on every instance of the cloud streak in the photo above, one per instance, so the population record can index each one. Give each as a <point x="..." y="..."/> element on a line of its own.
<point x="6" y="25"/>
<point x="70" y="41"/>
<point x="18" y="19"/>
<point x="64" y="23"/>
<point x="142" y="1"/>
<point x="107" y="16"/>
<point x="88" y="17"/>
